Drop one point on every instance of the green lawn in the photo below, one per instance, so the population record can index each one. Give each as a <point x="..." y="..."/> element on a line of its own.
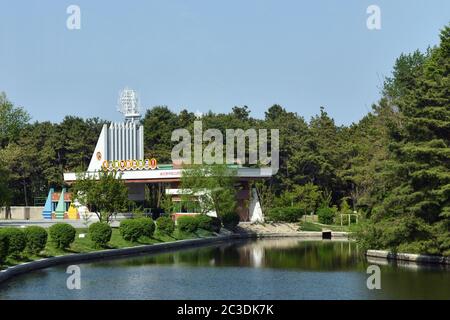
<point x="81" y="245"/>
<point x="315" y="226"/>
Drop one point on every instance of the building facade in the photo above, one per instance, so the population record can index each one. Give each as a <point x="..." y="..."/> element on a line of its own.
<point x="120" y="147"/>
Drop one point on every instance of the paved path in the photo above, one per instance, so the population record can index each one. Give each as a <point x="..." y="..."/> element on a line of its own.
<point x="269" y="227"/>
<point x="48" y="223"/>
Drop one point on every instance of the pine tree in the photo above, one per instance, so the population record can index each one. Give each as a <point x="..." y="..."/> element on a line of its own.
<point x="420" y="202"/>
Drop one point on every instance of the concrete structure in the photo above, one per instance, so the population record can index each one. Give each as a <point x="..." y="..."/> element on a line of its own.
<point x="410" y="257"/>
<point x="22" y="213"/>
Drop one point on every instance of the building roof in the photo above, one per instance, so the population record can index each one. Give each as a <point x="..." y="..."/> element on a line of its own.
<point x="166" y="173"/>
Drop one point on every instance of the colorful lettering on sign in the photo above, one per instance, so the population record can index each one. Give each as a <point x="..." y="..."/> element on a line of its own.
<point x="123" y="165"/>
<point x="153" y="163"/>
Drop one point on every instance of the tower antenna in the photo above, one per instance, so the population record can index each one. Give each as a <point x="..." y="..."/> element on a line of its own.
<point x="128" y="105"/>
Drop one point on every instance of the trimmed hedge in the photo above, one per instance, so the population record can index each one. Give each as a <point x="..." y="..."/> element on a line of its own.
<point x="130" y="230"/>
<point x="133" y="229"/>
<point x="165" y="225"/>
<point x="285" y="214"/>
<point x="62" y="235"/>
<point x="100" y="233"/>
<point x="147" y="226"/>
<point x="16" y="240"/>
<point x="4" y="246"/>
<point x="187" y="223"/>
<point x="230" y="220"/>
<point x="36" y="238"/>
<point x="205" y="222"/>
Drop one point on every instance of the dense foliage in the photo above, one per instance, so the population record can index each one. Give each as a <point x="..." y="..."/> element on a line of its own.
<point x="147" y="226"/>
<point x="16" y="241"/>
<point x="219" y="181"/>
<point x="165" y="225"/>
<point x="285" y="214"/>
<point x="36" y="239"/>
<point x="100" y="233"/>
<point x="105" y="196"/>
<point x="230" y="219"/>
<point x="413" y="212"/>
<point x="187" y="223"/>
<point x="326" y="215"/>
<point x="130" y="230"/>
<point x="4" y="246"/>
<point x="133" y="229"/>
<point x="35" y="155"/>
<point x="62" y="235"/>
<point x="191" y="223"/>
<point x="208" y="223"/>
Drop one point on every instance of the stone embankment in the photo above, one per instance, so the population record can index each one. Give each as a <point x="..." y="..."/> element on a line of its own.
<point x="416" y="258"/>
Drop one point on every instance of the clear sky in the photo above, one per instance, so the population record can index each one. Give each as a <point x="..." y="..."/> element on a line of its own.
<point x="207" y="54"/>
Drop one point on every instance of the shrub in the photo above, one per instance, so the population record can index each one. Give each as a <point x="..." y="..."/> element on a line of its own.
<point x="216" y="224"/>
<point x="36" y="239"/>
<point x="230" y="220"/>
<point x="62" y="235"/>
<point x="100" y="233"/>
<point x="133" y="229"/>
<point x="16" y="240"/>
<point x="208" y="223"/>
<point x="165" y="225"/>
<point x="285" y="214"/>
<point x="147" y="226"/>
<point x="130" y="230"/>
<point x="326" y="215"/>
<point x="187" y="223"/>
<point x="204" y="222"/>
<point x="4" y="245"/>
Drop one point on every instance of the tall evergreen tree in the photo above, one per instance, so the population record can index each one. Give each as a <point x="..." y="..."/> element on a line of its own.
<point x="419" y="203"/>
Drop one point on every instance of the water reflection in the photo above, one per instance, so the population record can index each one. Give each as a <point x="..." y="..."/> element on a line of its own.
<point x="264" y="269"/>
<point x="290" y="253"/>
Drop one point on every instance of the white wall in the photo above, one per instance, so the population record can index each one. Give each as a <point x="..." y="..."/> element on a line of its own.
<point x="23" y="213"/>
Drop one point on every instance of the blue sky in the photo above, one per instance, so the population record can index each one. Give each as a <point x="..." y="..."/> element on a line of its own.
<point x="206" y="54"/>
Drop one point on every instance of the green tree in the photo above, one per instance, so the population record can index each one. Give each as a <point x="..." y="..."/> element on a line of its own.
<point x="159" y="122"/>
<point x="5" y="192"/>
<point x="104" y="196"/>
<point x="266" y="196"/>
<point x="418" y="199"/>
<point x="293" y="131"/>
<point x="12" y="120"/>
<point x="213" y="186"/>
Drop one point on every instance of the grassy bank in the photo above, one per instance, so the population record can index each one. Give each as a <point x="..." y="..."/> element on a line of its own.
<point x="315" y="226"/>
<point x="84" y="244"/>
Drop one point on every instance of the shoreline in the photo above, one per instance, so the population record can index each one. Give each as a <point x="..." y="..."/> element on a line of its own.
<point x="410" y="257"/>
<point x="43" y="263"/>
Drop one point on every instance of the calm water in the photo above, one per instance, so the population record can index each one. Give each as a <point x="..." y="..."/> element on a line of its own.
<point x="262" y="269"/>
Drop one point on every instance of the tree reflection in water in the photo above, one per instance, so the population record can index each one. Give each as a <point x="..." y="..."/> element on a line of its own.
<point x="287" y="253"/>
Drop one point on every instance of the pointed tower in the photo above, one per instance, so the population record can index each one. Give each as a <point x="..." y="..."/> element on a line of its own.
<point x="61" y="206"/>
<point x="120" y="141"/>
<point x="47" y="212"/>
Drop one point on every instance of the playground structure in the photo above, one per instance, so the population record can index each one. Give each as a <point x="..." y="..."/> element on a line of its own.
<point x="59" y="206"/>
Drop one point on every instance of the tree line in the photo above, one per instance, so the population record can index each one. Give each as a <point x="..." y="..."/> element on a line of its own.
<point x="392" y="166"/>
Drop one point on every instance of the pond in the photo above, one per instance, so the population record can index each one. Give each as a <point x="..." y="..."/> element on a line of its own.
<point x="289" y="268"/>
